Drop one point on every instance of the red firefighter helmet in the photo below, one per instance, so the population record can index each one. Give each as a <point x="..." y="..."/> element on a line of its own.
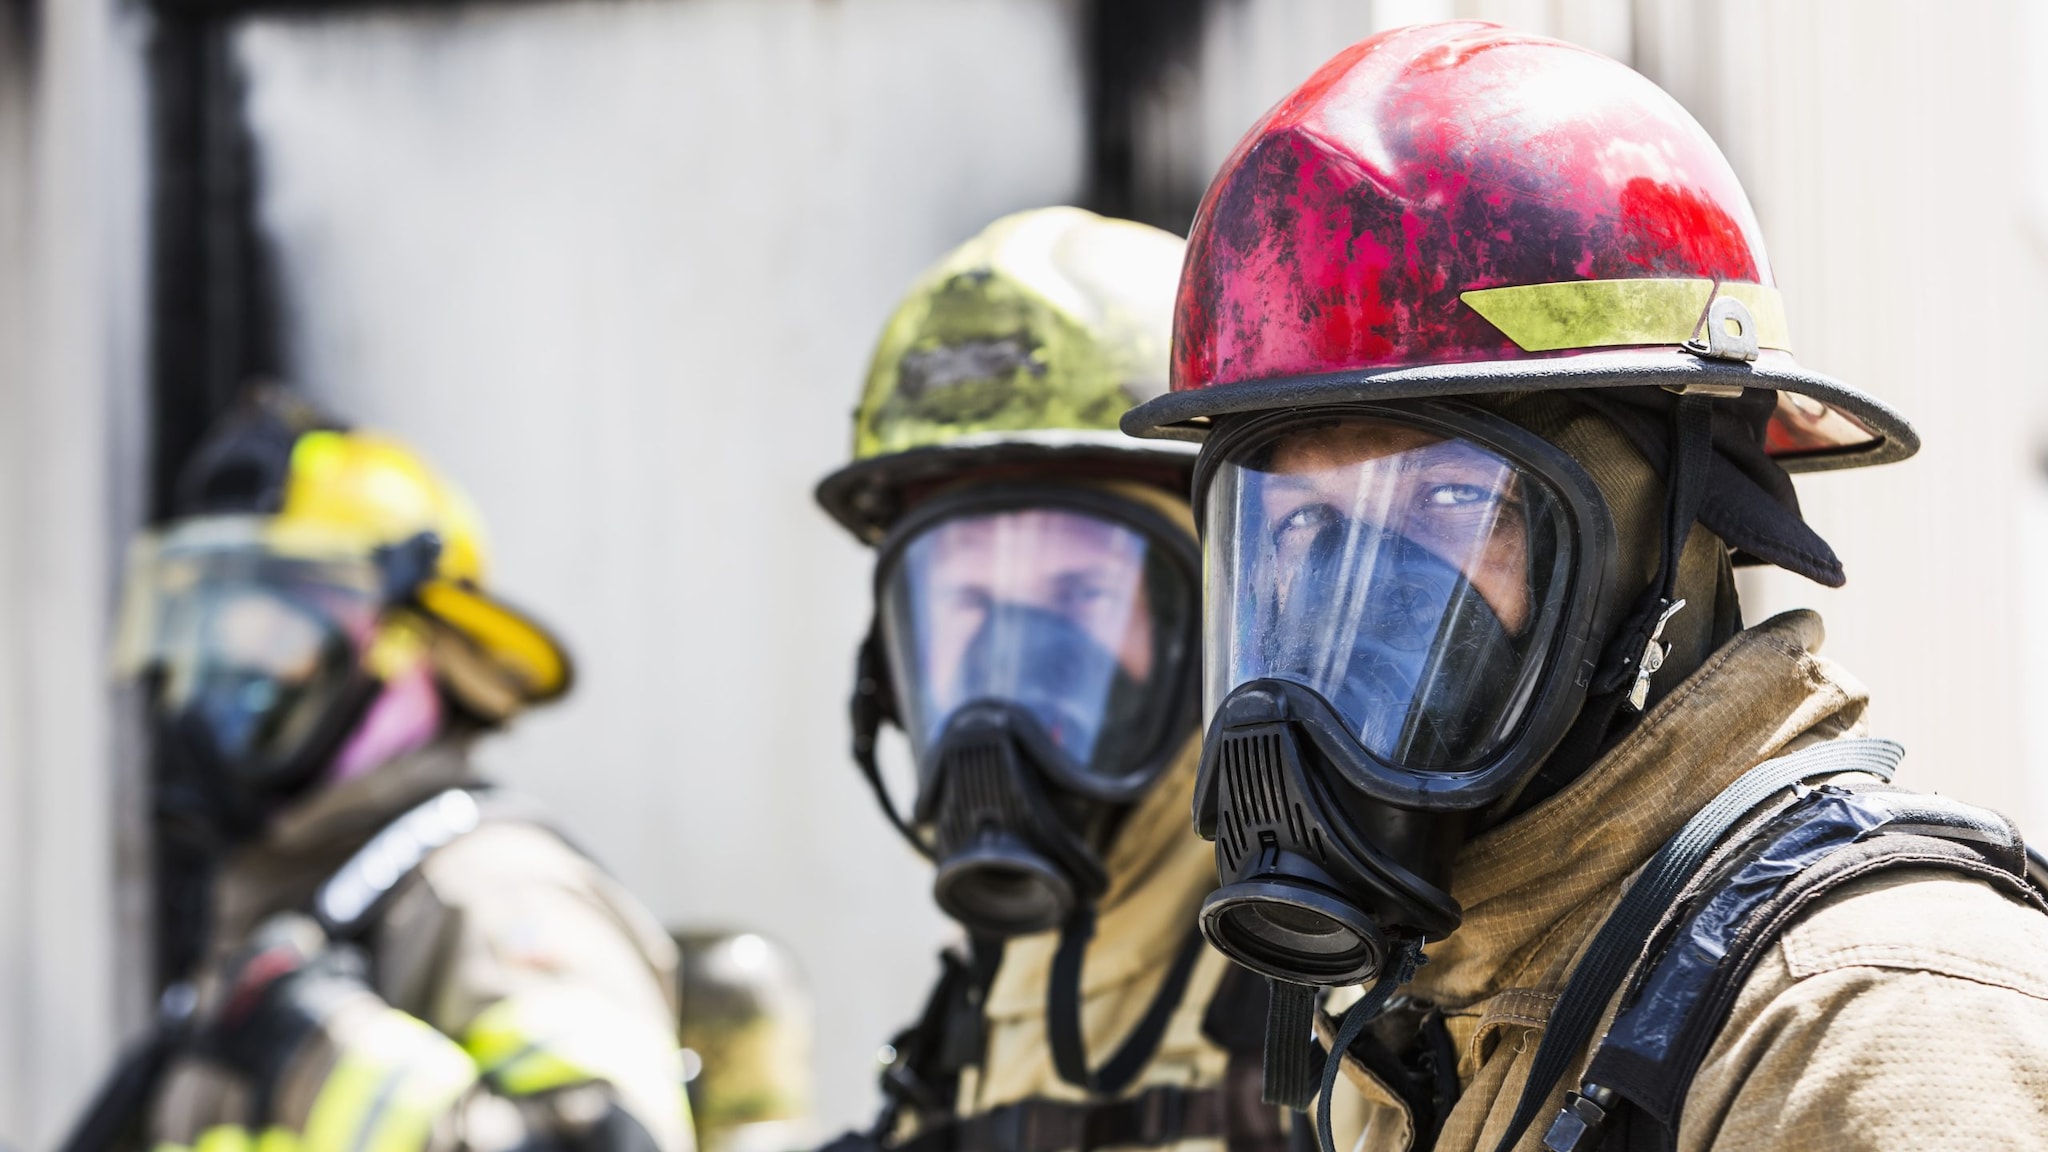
<point x="1456" y="208"/>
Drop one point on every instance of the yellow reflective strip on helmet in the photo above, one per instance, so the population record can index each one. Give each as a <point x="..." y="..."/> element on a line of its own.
<point x="397" y="646"/>
<point x="275" y="1139"/>
<point x="548" y="1038"/>
<point x="393" y="1080"/>
<point x="1608" y="313"/>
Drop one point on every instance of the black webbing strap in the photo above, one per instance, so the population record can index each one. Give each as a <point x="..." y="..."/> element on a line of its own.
<point x="1692" y="437"/>
<point x="1288" y="1071"/>
<point x="1235" y="1021"/>
<point x="870" y="707"/>
<point x="1401" y="966"/>
<point x="924" y="1077"/>
<point x="1063" y="1011"/>
<point x="1621" y="940"/>
<point x="1153" y="1118"/>
<point x="1650" y="1080"/>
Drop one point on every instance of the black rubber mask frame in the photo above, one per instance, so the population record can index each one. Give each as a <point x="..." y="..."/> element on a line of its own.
<point x="1176" y="674"/>
<point x="1557" y="685"/>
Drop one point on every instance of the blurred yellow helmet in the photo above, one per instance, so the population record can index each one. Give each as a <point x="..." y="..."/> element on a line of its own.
<point x="279" y="477"/>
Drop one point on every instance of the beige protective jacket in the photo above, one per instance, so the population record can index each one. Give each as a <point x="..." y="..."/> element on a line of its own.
<point x="1908" y="1011"/>
<point x="1159" y="872"/>
<point x="521" y="997"/>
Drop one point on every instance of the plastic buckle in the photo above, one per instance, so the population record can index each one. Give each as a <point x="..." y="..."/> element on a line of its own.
<point x="1578" y="1126"/>
<point x="408" y="564"/>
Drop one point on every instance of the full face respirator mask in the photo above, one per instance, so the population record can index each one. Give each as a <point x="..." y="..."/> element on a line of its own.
<point x="252" y="642"/>
<point x="1037" y="647"/>
<point x="1398" y="631"/>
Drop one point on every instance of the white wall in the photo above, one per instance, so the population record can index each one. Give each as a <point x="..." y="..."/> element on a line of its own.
<point x="70" y="155"/>
<point x="618" y="268"/>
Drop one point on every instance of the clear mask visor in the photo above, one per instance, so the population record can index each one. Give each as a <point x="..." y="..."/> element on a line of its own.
<point x="1411" y="579"/>
<point x="252" y="633"/>
<point x="1075" y="619"/>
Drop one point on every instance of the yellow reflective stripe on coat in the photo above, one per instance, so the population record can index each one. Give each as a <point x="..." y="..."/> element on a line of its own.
<point x="235" y="1138"/>
<point x="392" y="1080"/>
<point x="1611" y="313"/>
<point x="548" y="1038"/>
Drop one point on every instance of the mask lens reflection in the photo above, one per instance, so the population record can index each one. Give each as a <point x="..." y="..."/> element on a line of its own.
<point x="253" y="647"/>
<point x="1076" y="620"/>
<point x="1413" y="580"/>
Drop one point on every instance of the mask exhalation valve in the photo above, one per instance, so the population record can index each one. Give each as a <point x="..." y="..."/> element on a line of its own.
<point x="1281" y="914"/>
<point x="1004" y="868"/>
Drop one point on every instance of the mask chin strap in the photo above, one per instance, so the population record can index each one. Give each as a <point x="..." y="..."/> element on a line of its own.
<point x="872" y="705"/>
<point x="1620" y="690"/>
<point x="1400" y="969"/>
<point x="1063" y="1011"/>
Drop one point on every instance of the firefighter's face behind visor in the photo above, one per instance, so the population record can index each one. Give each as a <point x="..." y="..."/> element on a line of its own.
<point x="1043" y="608"/>
<point x="1406" y="577"/>
<point x="1041" y="656"/>
<point x="253" y="643"/>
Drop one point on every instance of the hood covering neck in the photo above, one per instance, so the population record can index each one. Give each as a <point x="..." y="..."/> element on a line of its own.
<point x="1534" y="887"/>
<point x="1635" y="493"/>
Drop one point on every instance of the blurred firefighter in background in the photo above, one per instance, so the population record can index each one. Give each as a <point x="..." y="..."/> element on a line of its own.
<point x="399" y="957"/>
<point x="1036" y="587"/>
<point x="1495" y="387"/>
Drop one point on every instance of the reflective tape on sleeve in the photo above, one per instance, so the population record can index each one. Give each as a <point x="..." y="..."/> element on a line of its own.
<point x="548" y="1038"/>
<point x="393" y="1079"/>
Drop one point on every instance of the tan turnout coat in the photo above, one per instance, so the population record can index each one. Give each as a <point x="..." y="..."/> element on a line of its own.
<point x="506" y="917"/>
<point x="1907" y="1011"/>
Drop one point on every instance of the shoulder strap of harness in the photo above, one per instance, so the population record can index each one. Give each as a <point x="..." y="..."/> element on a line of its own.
<point x="924" y="1078"/>
<point x="1679" y="994"/>
<point x="1622" y="939"/>
<point x="348" y="903"/>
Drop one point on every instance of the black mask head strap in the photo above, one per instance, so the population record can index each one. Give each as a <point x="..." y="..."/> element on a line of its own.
<point x="873" y="704"/>
<point x="1637" y="650"/>
<point x="1063" y="1011"/>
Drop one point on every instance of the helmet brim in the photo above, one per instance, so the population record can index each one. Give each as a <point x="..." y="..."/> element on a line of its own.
<point x="1187" y="416"/>
<point x="867" y="496"/>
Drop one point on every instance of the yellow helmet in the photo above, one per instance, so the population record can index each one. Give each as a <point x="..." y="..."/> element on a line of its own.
<point x="1024" y="346"/>
<point x="281" y="479"/>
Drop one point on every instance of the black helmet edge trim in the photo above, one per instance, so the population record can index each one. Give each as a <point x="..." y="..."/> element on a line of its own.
<point x="841" y="493"/>
<point x="1167" y="418"/>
